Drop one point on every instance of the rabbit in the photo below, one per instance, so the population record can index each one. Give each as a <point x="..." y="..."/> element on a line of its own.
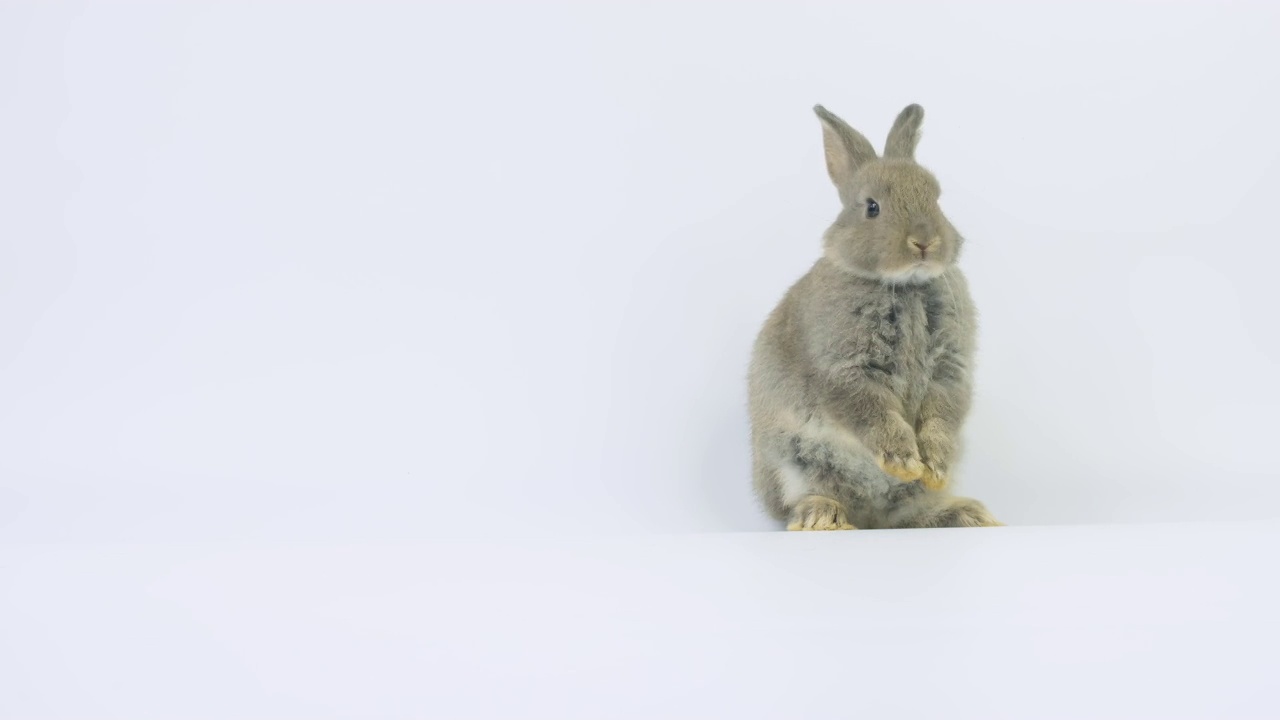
<point x="860" y="379"/>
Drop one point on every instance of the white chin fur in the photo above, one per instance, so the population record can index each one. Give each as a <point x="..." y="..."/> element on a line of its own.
<point x="920" y="273"/>
<point x="911" y="274"/>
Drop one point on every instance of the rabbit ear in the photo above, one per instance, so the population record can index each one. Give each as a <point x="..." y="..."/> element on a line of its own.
<point x="905" y="133"/>
<point x="846" y="149"/>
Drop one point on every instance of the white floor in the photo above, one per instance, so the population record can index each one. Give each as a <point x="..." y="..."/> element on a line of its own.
<point x="1159" y="621"/>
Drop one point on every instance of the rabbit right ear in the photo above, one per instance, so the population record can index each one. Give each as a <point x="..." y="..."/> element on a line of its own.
<point x="905" y="133"/>
<point x="846" y="150"/>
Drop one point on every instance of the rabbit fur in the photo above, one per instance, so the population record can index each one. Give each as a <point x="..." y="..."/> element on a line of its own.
<point x="860" y="379"/>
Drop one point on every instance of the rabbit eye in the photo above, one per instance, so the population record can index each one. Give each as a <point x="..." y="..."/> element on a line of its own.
<point x="873" y="208"/>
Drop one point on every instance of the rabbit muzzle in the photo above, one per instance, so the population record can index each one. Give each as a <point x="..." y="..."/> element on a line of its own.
<point x="921" y="245"/>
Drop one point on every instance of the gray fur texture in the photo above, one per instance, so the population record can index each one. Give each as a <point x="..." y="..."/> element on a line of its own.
<point x="860" y="379"/>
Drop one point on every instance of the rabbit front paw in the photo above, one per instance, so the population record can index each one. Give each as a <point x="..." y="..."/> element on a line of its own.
<point x="936" y="450"/>
<point x="934" y="478"/>
<point x="898" y="454"/>
<point x="903" y="467"/>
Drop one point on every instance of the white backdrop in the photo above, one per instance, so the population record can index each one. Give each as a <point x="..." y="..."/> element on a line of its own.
<point x="276" y="270"/>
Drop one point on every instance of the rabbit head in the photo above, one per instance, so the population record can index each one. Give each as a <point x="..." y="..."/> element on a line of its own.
<point x="891" y="227"/>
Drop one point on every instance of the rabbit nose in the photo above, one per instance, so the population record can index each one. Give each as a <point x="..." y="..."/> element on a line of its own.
<point x="922" y="246"/>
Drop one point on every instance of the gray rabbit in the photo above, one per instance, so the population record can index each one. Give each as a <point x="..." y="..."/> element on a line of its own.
<point x="861" y="377"/>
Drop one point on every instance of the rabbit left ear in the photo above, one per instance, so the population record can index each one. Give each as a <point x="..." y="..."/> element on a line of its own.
<point x="846" y="150"/>
<point x="905" y="133"/>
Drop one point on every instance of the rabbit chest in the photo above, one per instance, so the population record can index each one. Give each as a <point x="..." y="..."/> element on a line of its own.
<point x="889" y="335"/>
